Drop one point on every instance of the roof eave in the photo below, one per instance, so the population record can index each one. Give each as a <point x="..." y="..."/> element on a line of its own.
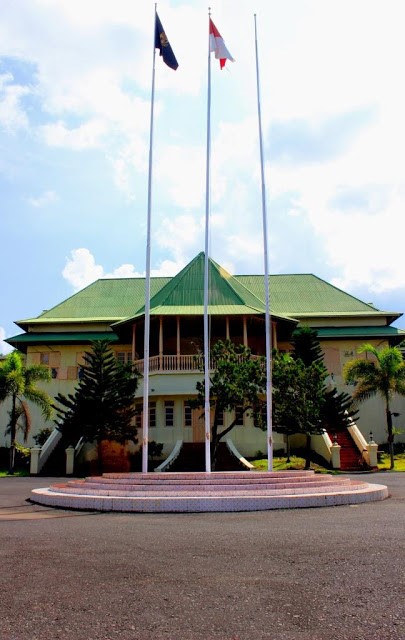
<point x="23" y="324"/>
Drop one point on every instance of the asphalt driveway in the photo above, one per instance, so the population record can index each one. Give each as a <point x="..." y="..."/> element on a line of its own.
<point x="317" y="574"/>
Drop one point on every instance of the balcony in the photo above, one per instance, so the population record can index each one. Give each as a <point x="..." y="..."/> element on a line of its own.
<point x="169" y="364"/>
<point x="175" y="364"/>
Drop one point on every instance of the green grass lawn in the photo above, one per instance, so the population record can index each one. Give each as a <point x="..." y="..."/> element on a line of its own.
<point x="17" y="473"/>
<point x="399" y="462"/>
<point x="280" y="464"/>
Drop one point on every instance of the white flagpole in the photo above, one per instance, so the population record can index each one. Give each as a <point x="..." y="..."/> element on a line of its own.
<point x="207" y="421"/>
<point x="269" y="412"/>
<point x="145" y="420"/>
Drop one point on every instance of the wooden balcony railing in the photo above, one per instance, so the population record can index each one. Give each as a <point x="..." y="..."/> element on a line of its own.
<point x="170" y="364"/>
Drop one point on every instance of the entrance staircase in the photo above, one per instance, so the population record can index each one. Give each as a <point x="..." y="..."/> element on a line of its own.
<point x="350" y="456"/>
<point x="192" y="458"/>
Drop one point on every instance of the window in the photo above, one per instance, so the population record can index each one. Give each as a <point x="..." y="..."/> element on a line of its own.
<point x="139" y="415"/>
<point x="72" y="373"/>
<point x="169" y="413"/>
<point x="188" y="421"/>
<point x="152" y="414"/>
<point x="124" y="356"/>
<point x="51" y="359"/>
<point x="220" y="418"/>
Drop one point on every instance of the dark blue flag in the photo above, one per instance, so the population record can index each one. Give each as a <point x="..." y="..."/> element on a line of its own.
<point x="162" y="43"/>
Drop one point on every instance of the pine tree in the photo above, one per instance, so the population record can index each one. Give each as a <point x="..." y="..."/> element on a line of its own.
<point x="337" y="410"/>
<point x="102" y="406"/>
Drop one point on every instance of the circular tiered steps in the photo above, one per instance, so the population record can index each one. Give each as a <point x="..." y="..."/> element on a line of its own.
<point x="202" y="492"/>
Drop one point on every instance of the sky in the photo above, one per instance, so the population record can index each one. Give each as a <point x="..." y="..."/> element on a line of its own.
<point x="75" y="102"/>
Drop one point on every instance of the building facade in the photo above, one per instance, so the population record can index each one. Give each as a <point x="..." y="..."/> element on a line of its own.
<point x="113" y="309"/>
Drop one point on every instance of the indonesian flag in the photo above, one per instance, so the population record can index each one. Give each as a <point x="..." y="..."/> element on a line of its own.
<point x="217" y="44"/>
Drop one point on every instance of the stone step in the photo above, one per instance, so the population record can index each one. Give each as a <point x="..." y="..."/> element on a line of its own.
<point x="199" y="492"/>
<point x="102" y="489"/>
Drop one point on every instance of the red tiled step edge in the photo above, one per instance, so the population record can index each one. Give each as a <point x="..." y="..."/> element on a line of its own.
<point x="200" y="492"/>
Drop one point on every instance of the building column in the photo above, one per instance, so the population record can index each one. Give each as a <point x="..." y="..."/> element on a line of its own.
<point x="274" y="335"/>
<point x="227" y="334"/>
<point x="160" y="343"/>
<point x="178" y="341"/>
<point x="245" y="335"/>
<point x="133" y="341"/>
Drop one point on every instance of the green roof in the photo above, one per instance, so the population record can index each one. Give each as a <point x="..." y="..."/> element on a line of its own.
<point x="361" y="332"/>
<point x="184" y="293"/>
<point x="117" y="300"/>
<point x="298" y="294"/>
<point x="105" y="300"/>
<point x="83" y="337"/>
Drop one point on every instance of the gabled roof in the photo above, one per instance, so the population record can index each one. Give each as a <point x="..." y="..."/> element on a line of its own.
<point x="184" y="294"/>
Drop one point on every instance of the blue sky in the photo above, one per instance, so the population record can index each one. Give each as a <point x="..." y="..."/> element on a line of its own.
<point x="75" y="80"/>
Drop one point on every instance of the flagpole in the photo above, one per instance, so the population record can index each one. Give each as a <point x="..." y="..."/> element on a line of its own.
<point x="145" y="419"/>
<point x="207" y="421"/>
<point x="269" y="412"/>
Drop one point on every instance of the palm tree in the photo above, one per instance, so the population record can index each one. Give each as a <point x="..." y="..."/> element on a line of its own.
<point x="18" y="383"/>
<point x="384" y="375"/>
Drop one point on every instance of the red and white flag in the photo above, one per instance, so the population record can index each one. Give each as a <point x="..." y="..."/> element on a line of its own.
<point x="217" y="44"/>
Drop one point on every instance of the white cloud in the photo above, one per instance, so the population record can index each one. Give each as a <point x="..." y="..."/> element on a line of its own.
<point x="88" y="87"/>
<point x="46" y="198"/>
<point x="12" y="114"/>
<point x="86" y="136"/>
<point x="81" y="269"/>
<point x="180" y="235"/>
<point x="181" y="169"/>
<point x="168" y="268"/>
<point x="124" y="271"/>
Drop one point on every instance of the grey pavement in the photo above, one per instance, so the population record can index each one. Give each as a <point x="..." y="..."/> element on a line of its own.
<point x="307" y="574"/>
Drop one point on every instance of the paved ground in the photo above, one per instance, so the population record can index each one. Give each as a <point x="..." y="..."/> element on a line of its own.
<point x="313" y="574"/>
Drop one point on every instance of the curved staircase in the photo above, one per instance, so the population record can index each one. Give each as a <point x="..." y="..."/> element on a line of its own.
<point x="203" y="492"/>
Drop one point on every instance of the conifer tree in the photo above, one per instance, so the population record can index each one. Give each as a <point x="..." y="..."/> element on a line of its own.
<point x="337" y="409"/>
<point x="102" y="406"/>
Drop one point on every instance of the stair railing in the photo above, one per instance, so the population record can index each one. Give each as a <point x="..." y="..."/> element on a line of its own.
<point x="234" y="451"/>
<point x="48" y="448"/>
<point x="359" y="441"/>
<point x="164" y="466"/>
